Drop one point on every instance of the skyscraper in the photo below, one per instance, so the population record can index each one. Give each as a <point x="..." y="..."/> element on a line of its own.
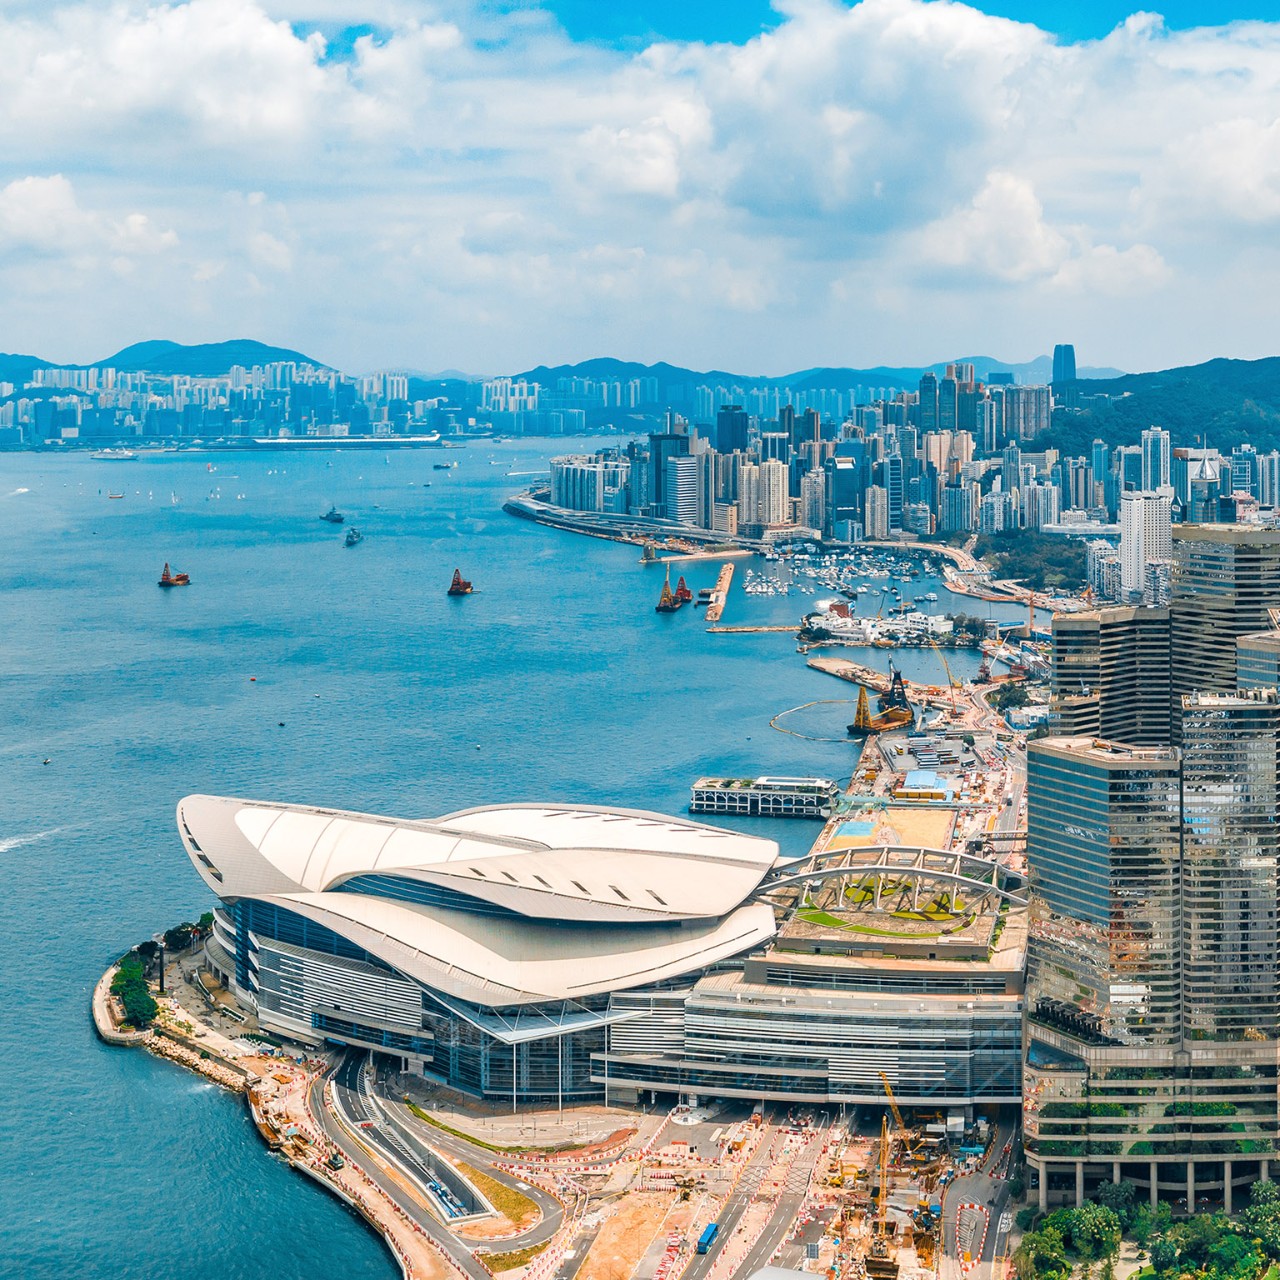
<point x="1146" y="535"/>
<point x="1231" y="866"/>
<point x="1064" y="363"/>
<point x="1152" y="1003"/>
<point x="928" y="402"/>
<point x="1225" y="579"/>
<point x="1112" y="675"/>
<point x="1156" y="457"/>
<point x="732" y="425"/>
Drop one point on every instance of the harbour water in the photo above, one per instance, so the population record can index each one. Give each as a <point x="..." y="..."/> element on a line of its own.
<point x="298" y="669"/>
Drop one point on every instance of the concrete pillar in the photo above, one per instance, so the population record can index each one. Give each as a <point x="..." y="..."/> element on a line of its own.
<point x="1079" y="1183"/>
<point x="1115" y="1171"/>
<point x="1264" y="1170"/>
<point x="1191" y="1186"/>
<point x="1044" y="1188"/>
<point x="1226" y="1186"/>
<point x="1155" y="1184"/>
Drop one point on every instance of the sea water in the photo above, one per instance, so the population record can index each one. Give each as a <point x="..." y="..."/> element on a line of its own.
<point x="296" y="669"/>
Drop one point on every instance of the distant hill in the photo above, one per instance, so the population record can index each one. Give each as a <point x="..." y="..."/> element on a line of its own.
<point x="206" y="360"/>
<point x="607" y="368"/>
<point x="1227" y="402"/>
<point x="18" y="369"/>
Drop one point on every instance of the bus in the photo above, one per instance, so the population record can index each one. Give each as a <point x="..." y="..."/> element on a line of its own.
<point x="707" y="1238"/>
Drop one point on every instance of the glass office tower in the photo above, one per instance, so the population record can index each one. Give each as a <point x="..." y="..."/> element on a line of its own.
<point x="1153" y="1005"/>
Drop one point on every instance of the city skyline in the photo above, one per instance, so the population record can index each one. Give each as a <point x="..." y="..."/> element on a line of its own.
<point x="482" y="188"/>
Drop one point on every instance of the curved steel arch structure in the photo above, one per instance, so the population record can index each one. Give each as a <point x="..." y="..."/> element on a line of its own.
<point x="979" y="875"/>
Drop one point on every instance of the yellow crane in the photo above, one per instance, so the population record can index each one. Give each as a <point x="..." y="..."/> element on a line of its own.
<point x="907" y="1136"/>
<point x="893" y="1104"/>
<point x="882" y="1219"/>
<point x="952" y="682"/>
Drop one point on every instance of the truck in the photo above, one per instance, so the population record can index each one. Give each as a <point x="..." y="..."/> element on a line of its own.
<point x="708" y="1236"/>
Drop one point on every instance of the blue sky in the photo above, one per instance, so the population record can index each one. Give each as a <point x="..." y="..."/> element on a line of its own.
<point x="493" y="184"/>
<point x="739" y="20"/>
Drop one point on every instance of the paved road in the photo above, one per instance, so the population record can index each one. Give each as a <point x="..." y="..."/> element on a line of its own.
<point x="439" y="1234"/>
<point x="984" y="1188"/>
<point x="780" y="1221"/>
<point x="410" y="1127"/>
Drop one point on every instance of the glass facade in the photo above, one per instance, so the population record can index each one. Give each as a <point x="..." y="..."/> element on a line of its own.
<point x="1103" y="847"/>
<point x="1153" y="1003"/>
<point x="1231" y="861"/>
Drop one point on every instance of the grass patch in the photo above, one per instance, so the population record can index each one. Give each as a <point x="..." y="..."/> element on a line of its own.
<point x="834" y="922"/>
<point x="516" y="1257"/>
<point x="507" y="1200"/>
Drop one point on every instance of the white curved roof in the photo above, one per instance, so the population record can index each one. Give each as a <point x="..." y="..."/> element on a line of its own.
<point x="601" y="899"/>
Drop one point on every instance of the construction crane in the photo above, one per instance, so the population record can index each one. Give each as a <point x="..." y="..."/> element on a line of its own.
<point x="893" y="1105"/>
<point x="951" y="680"/>
<point x="882" y="1219"/>
<point x="908" y="1136"/>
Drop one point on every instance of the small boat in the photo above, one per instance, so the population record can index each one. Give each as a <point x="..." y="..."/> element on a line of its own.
<point x="333" y="516"/>
<point x="444" y="466"/>
<point x="354" y="536"/>
<point x="113" y="455"/>
<point x="168" y="579"/>
<point x="459" y="586"/>
<point x="114" y="495"/>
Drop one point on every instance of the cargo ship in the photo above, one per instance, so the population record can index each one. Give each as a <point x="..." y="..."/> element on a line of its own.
<point x="168" y="579"/>
<point x="459" y="586"/>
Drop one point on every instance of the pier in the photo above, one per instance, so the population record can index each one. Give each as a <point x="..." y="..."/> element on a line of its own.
<point x="719" y="594"/>
<point x="742" y="631"/>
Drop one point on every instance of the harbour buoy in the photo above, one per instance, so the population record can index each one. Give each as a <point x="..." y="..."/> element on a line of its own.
<point x="252" y="679"/>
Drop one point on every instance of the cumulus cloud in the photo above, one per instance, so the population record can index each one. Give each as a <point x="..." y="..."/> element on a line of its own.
<point x="42" y="215"/>
<point x="891" y="181"/>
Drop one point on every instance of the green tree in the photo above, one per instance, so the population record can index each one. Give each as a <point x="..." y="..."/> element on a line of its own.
<point x="1095" y="1230"/>
<point x="1119" y="1197"/>
<point x="1164" y="1255"/>
<point x="179" y="937"/>
<point x="1042" y="1256"/>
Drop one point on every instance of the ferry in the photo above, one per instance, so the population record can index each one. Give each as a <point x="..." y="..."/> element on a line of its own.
<point x="333" y="516"/>
<point x="443" y="466"/>
<point x="459" y="586"/>
<point x="168" y="579"/>
<point x="353" y="536"/>
<point x="113" y="455"/>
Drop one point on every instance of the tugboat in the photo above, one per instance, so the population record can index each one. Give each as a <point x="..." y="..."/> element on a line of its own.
<point x="668" y="601"/>
<point x="459" y="586"/>
<point x="354" y="536"/>
<point x="333" y="516"/>
<point x="168" y="579"/>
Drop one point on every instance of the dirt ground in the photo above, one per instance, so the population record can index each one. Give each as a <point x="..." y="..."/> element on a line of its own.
<point x="925" y="828"/>
<point x="625" y="1237"/>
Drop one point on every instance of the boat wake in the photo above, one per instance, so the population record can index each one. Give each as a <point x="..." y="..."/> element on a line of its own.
<point x="9" y="843"/>
<point x="15" y="493"/>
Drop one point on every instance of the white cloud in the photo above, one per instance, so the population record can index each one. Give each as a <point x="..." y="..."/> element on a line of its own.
<point x="889" y="181"/>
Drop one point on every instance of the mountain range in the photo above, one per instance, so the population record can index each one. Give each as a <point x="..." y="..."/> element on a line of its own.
<point x="607" y="368"/>
<point x="1225" y="401"/>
